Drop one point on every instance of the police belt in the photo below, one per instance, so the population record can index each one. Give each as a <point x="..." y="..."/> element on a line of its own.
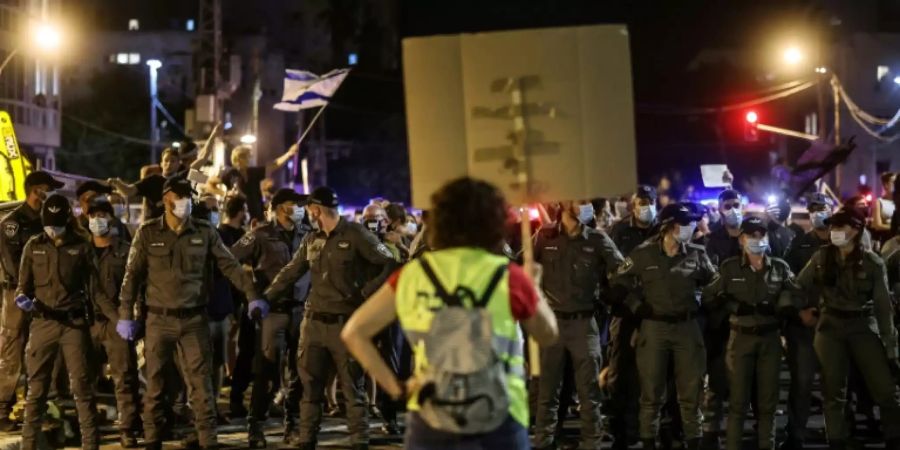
<point x="757" y="330"/>
<point x="672" y="318"/>
<point x="327" y="317"/>
<point x="573" y="315"/>
<point x="846" y="314"/>
<point x="178" y="313"/>
<point x="42" y="311"/>
<point x="285" y="307"/>
<point x="759" y="310"/>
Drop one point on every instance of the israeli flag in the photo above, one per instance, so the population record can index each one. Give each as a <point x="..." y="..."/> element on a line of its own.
<point x="304" y="89"/>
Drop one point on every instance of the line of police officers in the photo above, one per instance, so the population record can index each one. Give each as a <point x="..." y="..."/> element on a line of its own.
<point x="70" y="291"/>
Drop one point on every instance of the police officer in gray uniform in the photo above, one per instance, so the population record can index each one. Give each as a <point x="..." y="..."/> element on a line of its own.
<point x="622" y="406"/>
<point x="111" y="252"/>
<point x="15" y="230"/>
<point x="268" y="248"/>
<point x="57" y="269"/>
<point x="576" y="261"/>
<point x="799" y="330"/>
<point x="173" y="254"/>
<point x="338" y="254"/>
<point x="753" y="288"/>
<point x="664" y="277"/>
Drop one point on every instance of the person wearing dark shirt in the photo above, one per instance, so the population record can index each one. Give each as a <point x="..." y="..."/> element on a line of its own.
<point x="780" y="236"/>
<point x="246" y="179"/>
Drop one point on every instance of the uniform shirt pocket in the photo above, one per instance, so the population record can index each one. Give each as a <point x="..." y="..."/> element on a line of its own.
<point x="40" y="268"/>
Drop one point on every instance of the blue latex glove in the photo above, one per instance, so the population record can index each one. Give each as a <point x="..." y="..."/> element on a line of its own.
<point x="128" y="329"/>
<point x="24" y="303"/>
<point x="258" y="309"/>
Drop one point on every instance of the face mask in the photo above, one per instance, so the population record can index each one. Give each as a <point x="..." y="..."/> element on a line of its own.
<point x="119" y="210"/>
<point x="757" y="246"/>
<point x="55" y="232"/>
<point x="733" y="217"/>
<point x="182" y="208"/>
<point x="839" y="238"/>
<point x="647" y="213"/>
<point x="214" y="218"/>
<point x="99" y="226"/>
<point x="298" y="214"/>
<point x="411" y="228"/>
<point x="585" y="213"/>
<point x="686" y="232"/>
<point x="818" y="219"/>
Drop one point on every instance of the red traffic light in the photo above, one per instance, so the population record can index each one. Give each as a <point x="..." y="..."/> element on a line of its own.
<point x="752" y="117"/>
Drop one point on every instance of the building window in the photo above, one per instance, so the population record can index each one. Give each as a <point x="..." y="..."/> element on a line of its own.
<point x="882" y="72"/>
<point x="121" y="58"/>
<point x="134" y="58"/>
<point x="133" y="25"/>
<point x="189" y="25"/>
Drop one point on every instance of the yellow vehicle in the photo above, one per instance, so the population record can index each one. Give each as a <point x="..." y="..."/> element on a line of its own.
<point x="14" y="167"/>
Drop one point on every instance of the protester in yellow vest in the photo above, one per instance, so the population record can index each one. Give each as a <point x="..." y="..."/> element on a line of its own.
<point x="466" y="234"/>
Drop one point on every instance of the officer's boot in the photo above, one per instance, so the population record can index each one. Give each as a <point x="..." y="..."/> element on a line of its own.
<point x="692" y="444"/>
<point x="648" y="444"/>
<point x="255" y="436"/>
<point x="307" y="445"/>
<point x="665" y="438"/>
<point x="127" y="439"/>
<point x="710" y="441"/>
<point x="291" y="435"/>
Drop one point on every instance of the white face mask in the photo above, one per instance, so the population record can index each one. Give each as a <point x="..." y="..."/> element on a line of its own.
<point x="214" y="218"/>
<point x="119" y="210"/>
<point x="646" y="213"/>
<point x="686" y="232"/>
<point x="585" y="213"/>
<point x="411" y="228"/>
<point x="839" y="238"/>
<point x="733" y="217"/>
<point x="298" y="214"/>
<point x="55" y="232"/>
<point x="182" y="208"/>
<point x="818" y="219"/>
<point x="757" y="246"/>
<point x="99" y="226"/>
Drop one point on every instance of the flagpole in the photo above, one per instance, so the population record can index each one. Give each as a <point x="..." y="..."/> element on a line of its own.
<point x="299" y="141"/>
<point x="310" y="125"/>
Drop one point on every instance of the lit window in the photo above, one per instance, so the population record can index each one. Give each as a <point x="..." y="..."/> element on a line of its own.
<point x="882" y="72"/>
<point x="189" y="25"/>
<point x="133" y="25"/>
<point x="134" y="58"/>
<point x="122" y="58"/>
<point x="352" y="59"/>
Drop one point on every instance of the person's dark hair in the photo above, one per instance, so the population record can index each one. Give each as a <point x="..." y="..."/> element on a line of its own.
<point x="234" y="205"/>
<point x="886" y="177"/>
<point x="395" y="212"/>
<point x="830" y="268"/>
<point x="467" y="213"/>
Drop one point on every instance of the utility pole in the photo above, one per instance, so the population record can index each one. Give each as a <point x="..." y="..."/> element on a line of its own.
<point x="209" y="57"/>
<point x="835" y="87"/>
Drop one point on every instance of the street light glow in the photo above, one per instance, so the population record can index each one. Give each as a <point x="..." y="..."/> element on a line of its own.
<point x="793" y="55"/>
<point x="154" y="63"/>
<point x="752" y="117"/>
<point x="47" y="37"/>
<point x="897" y="80"/>
<point x="248" y="139"/>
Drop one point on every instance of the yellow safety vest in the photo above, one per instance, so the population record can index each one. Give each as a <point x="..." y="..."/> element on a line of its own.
<point x="472" y="268"/>
<point x="14" y="167"/>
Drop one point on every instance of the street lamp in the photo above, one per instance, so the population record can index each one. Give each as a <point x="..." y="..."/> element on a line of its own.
<point x="793" y="55"/>
<point x="248" y="139"/>
<point x="44" y="36"/>
<point x="154" y="65"/>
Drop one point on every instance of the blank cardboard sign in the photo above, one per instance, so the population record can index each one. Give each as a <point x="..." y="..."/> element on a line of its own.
<point x="552" y="107"/>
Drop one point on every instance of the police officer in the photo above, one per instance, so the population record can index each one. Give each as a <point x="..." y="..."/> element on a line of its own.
<point x="57" y="270"/>
<point x="173" y="255"/>
<point x="622" y="369"/>
<point x="338" y="254"/>
<point x="856" y="323"/>
<point x="16" y="228"/>
<point x="664" y="276"/>
<point x="576" y="260"/>
<point x="752" y="287"/>
<point x="779" y="234"/>
<point x="268" y="248"/>
<point x="800" y="329"/>
<point x="111" y="253"/>
<point x="722" y="244"/>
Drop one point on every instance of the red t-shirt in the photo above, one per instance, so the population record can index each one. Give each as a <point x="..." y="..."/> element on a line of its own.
<point x="523" y="297"/>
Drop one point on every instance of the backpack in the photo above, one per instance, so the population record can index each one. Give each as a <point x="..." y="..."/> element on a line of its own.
<point x="464" y="389"/>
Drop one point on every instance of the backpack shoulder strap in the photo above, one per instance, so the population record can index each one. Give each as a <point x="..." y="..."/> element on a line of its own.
<point x="492" y="286"/>
<point x="449" y="300"/>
